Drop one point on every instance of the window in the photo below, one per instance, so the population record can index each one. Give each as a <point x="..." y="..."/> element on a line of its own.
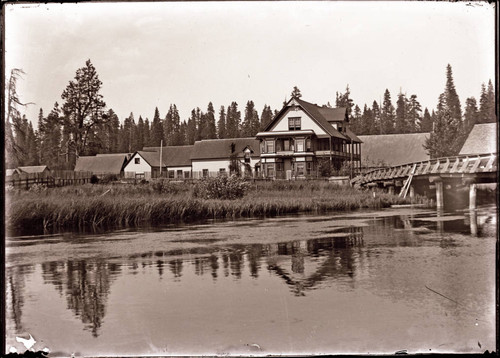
<point x="222" y="172"/>
<point x="279" y="167"/>
<point x="137" y="160"/>
<point x="179" y="173"/>
<point x="300" y="168"/>
<point x="171" y="174"/>
<point x="308" y="144"/>
<point x="269" y="146"/>
<point x="247" y="157"/>
<point x="186" y="175"/>
<point x="294" y="123"/>
<point x="286" y="144"/>
<point x="300" y="145"/>
<point x="205" y="173"/>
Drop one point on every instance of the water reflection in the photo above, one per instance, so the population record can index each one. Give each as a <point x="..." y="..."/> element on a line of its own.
<point x="86" y="285"/>
<point x="379" y="254"/>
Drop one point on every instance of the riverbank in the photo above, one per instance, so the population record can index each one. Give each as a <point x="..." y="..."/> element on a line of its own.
<point x="115" y="205"/>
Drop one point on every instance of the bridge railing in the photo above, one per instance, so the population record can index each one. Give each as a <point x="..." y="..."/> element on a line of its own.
<point x="469" y="164"/>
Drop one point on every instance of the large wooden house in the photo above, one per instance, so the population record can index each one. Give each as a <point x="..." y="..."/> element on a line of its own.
<point x="303" y="136"/>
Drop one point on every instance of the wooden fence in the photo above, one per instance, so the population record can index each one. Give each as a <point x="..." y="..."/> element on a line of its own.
<point x="50" y="179"/>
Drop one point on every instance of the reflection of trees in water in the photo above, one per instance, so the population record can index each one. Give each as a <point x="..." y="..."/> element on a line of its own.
<point x="14" y="299"/>
<point x="87" y="286"/>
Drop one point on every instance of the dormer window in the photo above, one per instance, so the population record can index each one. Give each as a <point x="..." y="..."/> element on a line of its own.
<point x="294" y="123"/>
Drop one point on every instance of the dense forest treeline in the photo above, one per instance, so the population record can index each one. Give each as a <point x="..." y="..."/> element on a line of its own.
<point x="83" y="125"/>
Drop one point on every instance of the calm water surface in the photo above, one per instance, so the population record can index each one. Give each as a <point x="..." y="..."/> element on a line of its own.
<point x="360" y="282"/>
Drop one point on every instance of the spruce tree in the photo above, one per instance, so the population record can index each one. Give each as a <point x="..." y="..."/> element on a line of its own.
<point x="156" y="130"/>
<point x="425" y="125"/>
<point x="266" y="117"/>
<point x="401" y="110"/>
<point x="387" y="115"/>
<point x="344" y="100"/>
<point x="471" y="115"/>
<point x="221" y="124"/>
<point x="413" y="114"/>
<point x="168" y="132"/>
<point x="356" y="120"/>
<point x="367" y="121"/>
<point x="295" y="93"/>
<point x="147" y="132"/>
<point x="191" y="128"/>
<point x="233" y="120"/>
<point x="375" y="126"/>
<point x="211" y="130"/>
<point x="248" y="128"/>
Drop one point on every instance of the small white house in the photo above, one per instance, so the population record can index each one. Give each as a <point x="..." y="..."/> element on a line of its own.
<point x="213" y="157"/>
<point x="144" y="165"/>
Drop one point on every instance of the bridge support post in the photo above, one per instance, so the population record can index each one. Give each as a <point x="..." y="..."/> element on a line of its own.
<point x="472" y="196"/>
<point x="439" y="194"/>
<point x="412" y="193"/>
<point x="391" y="190"/>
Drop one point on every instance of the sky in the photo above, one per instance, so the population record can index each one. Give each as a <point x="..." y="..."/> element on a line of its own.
<point x="155" y="54"/>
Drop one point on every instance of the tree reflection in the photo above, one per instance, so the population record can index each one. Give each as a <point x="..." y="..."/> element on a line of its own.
<point x="15" y="293"/>
<point x="86" y="285"/>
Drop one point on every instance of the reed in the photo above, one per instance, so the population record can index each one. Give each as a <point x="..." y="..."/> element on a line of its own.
<point x="135" y="205"/>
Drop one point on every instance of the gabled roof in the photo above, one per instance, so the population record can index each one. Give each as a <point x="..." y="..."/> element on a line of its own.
<point x="221" y="148"/>
<point x="322" y="115"/>
<point x="393" y="149"/>
<point x="173" y="156"/>
<point x="102" y="163"/>
<point x="152" y="158"/>
<point x="33" y="169"/>
<point x="481" y="140"/>
<point x="10" y="172"/>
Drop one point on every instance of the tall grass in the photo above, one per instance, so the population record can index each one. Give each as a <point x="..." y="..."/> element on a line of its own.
<point x="135" y="205"/>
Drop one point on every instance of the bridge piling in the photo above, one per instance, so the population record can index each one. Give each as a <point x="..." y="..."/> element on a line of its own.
<point x="472" y="196"/>
<point x="439" y="194"/>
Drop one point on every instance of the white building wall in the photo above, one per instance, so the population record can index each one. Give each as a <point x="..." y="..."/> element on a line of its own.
<point x="132" y="168"/>
<point x="184" y="170"/>
<point x="306" y="122"/>
<point x="214" y="166"/>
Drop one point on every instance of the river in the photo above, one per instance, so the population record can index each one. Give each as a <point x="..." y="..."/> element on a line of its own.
<point x="357" y="282"/>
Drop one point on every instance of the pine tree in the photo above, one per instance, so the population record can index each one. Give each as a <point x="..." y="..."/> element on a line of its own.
<point x="367" y="121"/>
<point x="147" y="132"/>
<point x="343" y="100"/>
<point x="211" y="130"/>
<point x="266" y="117"/>
<point x="487" y="104"/>
<point x="471" y="115"/>
<point x="356" y="120"/>
<point x="50" y="139"/>
<point x="177" y="135"/>
<point x="448" y="133"/>
<point x="425" y="125"/>
<point x="183" y="133"/>
<point x="387" y="115"/>
<point x="191" y="128"/>
<point x="401" y="109"/>
<point x="376" y="126"/>
<point x="295" y="93"/>
<point x="248" y="127"/>
<point x="168" y="127"/>
<point x="83" y="105"/>
<point x="413" y="114"/>
<point x="233" y="120"/>
<point x="113" y="131"/>
<point x="141" y="138"/>
<point x="221" y="124"/>
<point x="32" y="150"/>
<point x="156" y="130"/>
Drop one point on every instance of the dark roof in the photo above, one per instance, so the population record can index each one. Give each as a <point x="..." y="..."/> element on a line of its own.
<point x="334" y="114"/>
<point x="152" y="158"/>
<point x="221" y="148"/>
<point x="350" y="134"/>
<point x="102" y="164"/>
<point x="173" y="156"/>
<point x="34" y="169"/>
<point x="393" y="149"/>
<point x="481" y="140"/>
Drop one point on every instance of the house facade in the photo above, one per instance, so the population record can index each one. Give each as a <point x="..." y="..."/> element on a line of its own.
<point x="302" y="137"/>
<point x="177" y="160"/>
<point x="213" y="157"/>
<point x="145" y="165"/>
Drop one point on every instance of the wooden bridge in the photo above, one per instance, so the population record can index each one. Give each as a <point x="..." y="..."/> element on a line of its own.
<point x="466" y="169"/>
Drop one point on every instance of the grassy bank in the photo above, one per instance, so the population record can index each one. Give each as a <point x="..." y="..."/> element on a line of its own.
<point x="154" y="203"/>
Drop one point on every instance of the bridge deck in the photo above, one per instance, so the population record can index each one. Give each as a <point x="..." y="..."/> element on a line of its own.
<point x="458" y="166"/>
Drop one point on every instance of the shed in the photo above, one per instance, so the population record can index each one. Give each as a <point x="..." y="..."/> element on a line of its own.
<point x="102" y="164"/>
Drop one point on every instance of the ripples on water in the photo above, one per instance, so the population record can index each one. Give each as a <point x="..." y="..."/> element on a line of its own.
<point x="365" y="282"/>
